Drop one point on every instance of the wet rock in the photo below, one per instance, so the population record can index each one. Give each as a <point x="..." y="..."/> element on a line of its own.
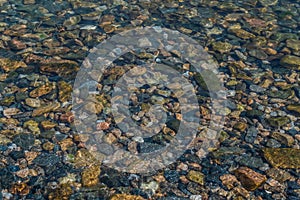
<point x="9" y="65"/>
<point x="290" y="61"/>
<point x="42" y="90"/>
<point x="222" y="151"/>
<point x="16" y="44"/>
<point x="171" y="176"/>
<point x="251" y="134"/>
<point x="278" y="121"/>
<point x="90" y="176"/>
<point x="241" y="126"/>
<point x="258" y="53"/>
<point x="283" y="157"/>
<point x="250" y="179"/>
<point x="222" y="47"/>
<point x="45" y="109"/>
<point x="46" y="159"/>
<point x="4" y="140"/>
<point x="209" y="77"/>
<point x="267" y="3"/>
<point x="126" y="197"/>
<point x="72" y="21"/>
<point x="32" y="126"/>
<point x="293" y="44"/>
<point x="64" y="68"/>
<point x="35" y="103"/>
<point x="84" y="158"/>
<point x="23" y="140"/>
<point x="282" y="94"/>
<point x="242" y="33"/>
<point x="47" y="125"/>
<point x="196" y="177"/>
<point x="11" y="111"/>
<point x="7" y="101"/>
<point x="63" y="191"/>
<point x="279" y="174"/>
<point x="229" y="181"/>
<point x="64" y="91"/>
<point x="294" y="108"/>
<point x="283" y="138"/>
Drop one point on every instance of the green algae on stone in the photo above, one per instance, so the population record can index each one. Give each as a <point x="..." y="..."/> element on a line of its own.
<point x="278" y="121"/>
<point x="293" y="44"/>
<point x="282" y="94"/>
<point x="9" y="65"/>
<point x="267" y="3"/>
<point x="196" y="177"/>
<point x="64" y="91"/>
<point x="209" y="77"/>
<point x="290" y="61"/>
<point x="294" y="108"/>
<point x="283" y="138"/>
<point x="7" y="101"/>
<point x="222" y="47"/>
<point x="287" y="158"/>
<point x="222" y="151"/>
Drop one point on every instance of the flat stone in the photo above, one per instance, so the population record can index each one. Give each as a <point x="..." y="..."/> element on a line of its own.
<point x="229" y="181"/>
<point x="267" y="3"/>
<point x="24" y="140"/>
<point x="196" y="177"/>
<point x="283" y="138"/>
<point x="126" y="197"/>
<point x="294" y="108"/>
<point x="42" y="90"/>
<point x="293" y="44"/>
<point x="222" y="47"/>
<point x="45" y="109"/>
<point x="250" y="179"/>
<point x="290" y="61"/>
<point x="283" y="157"/>
<point x="64" y="91"/>
<point x="9" y="65"/>
<point x="90" y="176"/>
<point x="278" y="121"/>
<point x="222" y="151"/>
<point x="46" y="159"/>
<point x="242" y="33"/>
<point x="32" y="102"/>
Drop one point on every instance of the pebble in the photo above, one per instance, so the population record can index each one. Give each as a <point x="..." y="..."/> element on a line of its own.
<point x="250" y="179"/>
<point x="283" y="157"/>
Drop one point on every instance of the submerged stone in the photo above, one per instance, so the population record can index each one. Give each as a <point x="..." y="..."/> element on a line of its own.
<point x="250" y="179"/>
<point x="290" y="61"/>
<point x="283" y="157"/>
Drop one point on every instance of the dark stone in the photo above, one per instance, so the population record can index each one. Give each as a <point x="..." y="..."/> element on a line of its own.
<point x="250" y="161"/>
<point x="17" y="155"/>
<point x="251" y="134"/>
<point x="46" y="159"/>
<point x="148" y="147"/>
<point x="273" y="143"/>
<point x="23" y="140"/>
<point x="293" y="185"/>
<point x="7" y="178"/>
<point x="171" y="176"/>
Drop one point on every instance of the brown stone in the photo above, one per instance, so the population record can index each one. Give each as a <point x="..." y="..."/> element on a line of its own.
<point x="9" y="65"/>
<point x="47" y="125"/>
<point x="228" y="180"/>
<point x="283" y="157"/>
<point x="66" y="143"/>
<point x="126" y="197"/>
<point x="283" y="138"/>
<point x="90" y="176"/>
<point x="250" y="179"/>
<point x="45" y="109"/>
<point x="64" y="91"/>
<point x="42" y="90"/>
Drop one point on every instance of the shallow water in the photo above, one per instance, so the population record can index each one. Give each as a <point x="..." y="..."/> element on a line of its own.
<point x="149" y="99"/>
